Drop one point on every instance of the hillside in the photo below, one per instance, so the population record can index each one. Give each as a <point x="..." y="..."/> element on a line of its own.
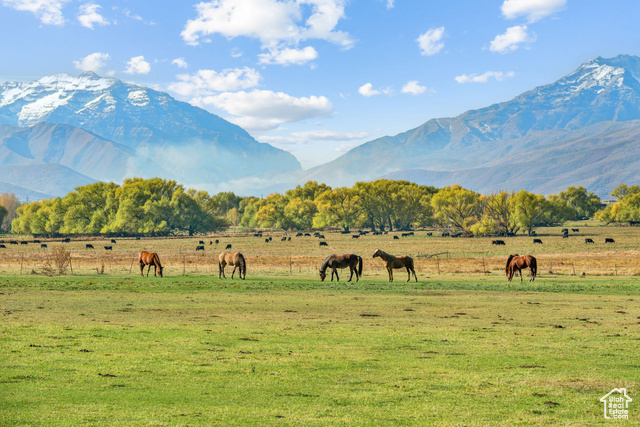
<point x="547" y="130"/>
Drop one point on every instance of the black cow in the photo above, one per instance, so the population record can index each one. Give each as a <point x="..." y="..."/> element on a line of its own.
<point x="66" y="240"/>
<point x="575" y="230"/>
<point x="355" y="236"/>
<point x="113" y="240"/>
<point x="3" y="247"/>
<point x="396" y="238"/>
<point x="429" y="234"/>
<point x="284" y="239"/>
<point x="320" y="236"/>
<point x="43" y="245"/>
<point x="217" y="241"/>
<point x="565" y="236"/>
<point x="406" y="234"/>
<point x="299" y="235"/>
<point x="108" y="248"/>
<point x="537" y="241"/>
<point x="288" y="239"/>
<point x="266" y="240"/>
<point x="201" y="242"/>
<point x="307" y="235"/>
<point x="88" y="246"/>
<point x="13" y="242"/>
<point x="497" y="242"/>
<point x="323" y="244"/>
<point x="588" y="240"/>
<point x="228" y="246"/>
<point x="609" y="240"/>
<point x="200" y="248"/>
<point x="37" y="241"/>
<point x="24" y="243"/>
<point x="445" y="234"/>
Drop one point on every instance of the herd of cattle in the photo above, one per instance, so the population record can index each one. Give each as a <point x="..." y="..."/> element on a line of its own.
<point x="322" y="242"/>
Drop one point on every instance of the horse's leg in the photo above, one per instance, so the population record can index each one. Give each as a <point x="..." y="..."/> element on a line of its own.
<point x="414" y="274"/>
<point x="142" y="268"/>
<point x="148" y="269"/>
<point x="390" y="270"/>
<point x="520" y="270"/>
<point x="335" y="270"/>
<point x="351" y="276"/>
<point x="155" y="270"/>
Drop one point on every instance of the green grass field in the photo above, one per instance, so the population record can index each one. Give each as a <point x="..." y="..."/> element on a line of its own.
<point x="460" y="347"/>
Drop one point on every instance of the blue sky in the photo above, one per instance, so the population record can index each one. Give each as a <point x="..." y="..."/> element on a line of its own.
<point x="318" y="77"/>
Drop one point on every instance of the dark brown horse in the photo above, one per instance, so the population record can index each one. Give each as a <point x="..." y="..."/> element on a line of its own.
<point x="396" y="262"/>
<point x="150" y="259"/>
<point x="518" y="263"/>
<point x="354" y="262"/>
<point x="232" y="258"/>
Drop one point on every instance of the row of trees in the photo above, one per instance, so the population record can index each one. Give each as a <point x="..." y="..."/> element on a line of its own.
<point x="157" y="206"/>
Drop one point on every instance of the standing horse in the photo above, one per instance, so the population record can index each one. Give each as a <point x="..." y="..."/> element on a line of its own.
<point x="518" y="263"/>
<point x="396" y="262"/>
<point x="232" y="258"/>
<point x="150" y="258"/>
<point x="354" y="262"/>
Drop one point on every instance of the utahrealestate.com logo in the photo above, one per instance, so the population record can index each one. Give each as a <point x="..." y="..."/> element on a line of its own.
<point x="616" y="404"/>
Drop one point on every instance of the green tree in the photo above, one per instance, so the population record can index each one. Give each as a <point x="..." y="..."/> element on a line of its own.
<point x="339" y="207"/>
<point x="529" y="210"/>
<point x="457" y="207"/>
<point x="11" y="203"/>
<point x="575" y="203"/>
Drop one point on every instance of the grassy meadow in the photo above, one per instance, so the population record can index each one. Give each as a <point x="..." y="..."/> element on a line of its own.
<point x="460" y="347"/>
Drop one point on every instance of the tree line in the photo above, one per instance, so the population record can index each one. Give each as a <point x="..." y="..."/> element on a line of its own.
<point x="161" y="207"/>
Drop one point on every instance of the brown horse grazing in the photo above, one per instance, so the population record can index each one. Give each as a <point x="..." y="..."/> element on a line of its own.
<point x="232" y="258"/>
<point x="396" y="262"/>
<point x="518" y="263"/>
<point x="354" y="262"/>
<point x="150" y="258"/>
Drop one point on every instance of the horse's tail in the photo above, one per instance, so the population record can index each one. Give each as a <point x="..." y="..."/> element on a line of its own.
<point x="243" y="265"/>
<point x="534" y="267"/>
<point x="359" y="266"/>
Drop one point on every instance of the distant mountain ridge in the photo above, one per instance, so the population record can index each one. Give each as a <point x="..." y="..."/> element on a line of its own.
<point x="600" y="90"/>
<point x="134" y="122"/>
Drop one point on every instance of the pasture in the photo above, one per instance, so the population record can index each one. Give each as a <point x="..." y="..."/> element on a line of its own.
<point x="461" y="346"/>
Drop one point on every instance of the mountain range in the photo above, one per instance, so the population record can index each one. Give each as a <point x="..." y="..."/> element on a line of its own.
<point x="62" y="131"/>
<point x="580" y="130"/>
<point x="108" y="130"/>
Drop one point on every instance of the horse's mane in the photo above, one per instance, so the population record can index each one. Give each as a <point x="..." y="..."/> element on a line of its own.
<point x="512" y="256"/>
<point x="157" y="259"/>
<point x="325" y="263"/>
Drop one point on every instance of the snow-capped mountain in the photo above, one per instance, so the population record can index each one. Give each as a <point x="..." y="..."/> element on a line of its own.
<point x="599" y="91"/>
<point x="197" y="147"/>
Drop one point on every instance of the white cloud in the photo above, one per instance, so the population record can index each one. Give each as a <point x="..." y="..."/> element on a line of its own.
<point x="288" y="56"/>
<point x="265" y="110"/>
<point x="180" y="63"/>
<point x="88" y="15"/>
<point x="532" y="9"/>
<point x="93" y="62"/>
<point x="137" y="65"/>
<point x="390" y="4"/>
<point x="483" y="78"/>
<point x="272" y="22"/>
<point x="511" y="39"/>
<point x="49" y="12"/>
<point x="431" y="42"/>
<point x="413" y="87"/>
<point x="368" y="90"/>
<point x="206" y="82"/>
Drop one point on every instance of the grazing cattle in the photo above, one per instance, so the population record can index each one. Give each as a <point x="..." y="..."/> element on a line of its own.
<point x="108" y="248"/>
<point x="88" y="246"/>
<point x="200" y="248"/>
<point x="113" y="240"/>
<point x="354" y="262"/>
<point x="137" y="237"/>
<point x="210" y="242"/>
<point x="406" y="234"/>
<point x="575" y="230"/>
<point x="228" y="246"/>
<point x="320" y="236"/>
<point x="150" y="258"/>
<point x="299" y="234"/>
<point x="355" y="236"/>
<point x="565" y="236"/>
<point x="392" y="262"/>
<point x="445" y="234"/>
<point x="396" y="238"/>
<point x="24" y="243"/>
<point x="307" y="235"/>
<point x="235" y="259"/>
<point x="3" y="247"/>
<point x="43" y="245"/>
<point x="588" y="240"/>
<point x="266" y="240"/>
<point x="217" y="241"/>
<point x="498" y="242"/>
<point x="257" y="235"/>
<point x="609" y="240"/>
<point x="288" y="239"/>
<point x="201" y="242"/>
<point x="66" y="240"/>
<point x="429" y="234"/>
<point x="518" y="263"/>
<point x="13" y="242"/>
<point x="35" y="241"/>
<point x="564" y="230"/>
<point x="284" y="239"/>
<point x="345" y="232"/>
<point x="537" y="241"/>
<point x="270" y="238"/>
<point x="324" y="244"/>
